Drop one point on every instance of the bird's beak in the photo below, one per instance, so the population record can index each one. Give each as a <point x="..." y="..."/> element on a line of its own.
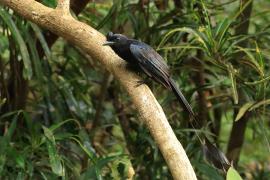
<point x="108" y="43"/>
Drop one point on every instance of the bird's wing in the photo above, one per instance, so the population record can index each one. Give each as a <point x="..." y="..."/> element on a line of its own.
<point x="151" y="62"/>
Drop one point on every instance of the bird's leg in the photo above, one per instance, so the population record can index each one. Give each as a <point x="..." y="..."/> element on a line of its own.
<point x="132" y="67"/>
<point x="139" y="83"/>
<point x="137" y="70"/>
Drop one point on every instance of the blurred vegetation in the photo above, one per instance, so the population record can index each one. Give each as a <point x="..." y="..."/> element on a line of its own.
<point x="63" y="115"/>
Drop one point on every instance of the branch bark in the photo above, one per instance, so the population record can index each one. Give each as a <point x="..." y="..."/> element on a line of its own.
<point x="91" y="42"/>
<point x="76" y="7"/>
<point x="63" y="5"/>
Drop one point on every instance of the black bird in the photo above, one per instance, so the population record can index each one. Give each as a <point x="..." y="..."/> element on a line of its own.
<point x="145" y="58"/>
<point x="148" y="60"/>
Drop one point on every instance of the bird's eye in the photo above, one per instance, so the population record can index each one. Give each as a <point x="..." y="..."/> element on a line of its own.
<point x="109" y="35"/>
<point x="118" y="38"/>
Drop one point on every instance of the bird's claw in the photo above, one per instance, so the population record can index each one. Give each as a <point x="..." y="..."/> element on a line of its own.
<point x="139" y="83"/>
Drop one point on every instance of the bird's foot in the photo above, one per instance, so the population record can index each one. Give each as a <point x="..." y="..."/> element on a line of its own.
<point x="139" y="83"/>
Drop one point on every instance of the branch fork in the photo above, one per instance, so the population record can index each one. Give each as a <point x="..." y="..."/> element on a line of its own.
<point x="64" y="6"/>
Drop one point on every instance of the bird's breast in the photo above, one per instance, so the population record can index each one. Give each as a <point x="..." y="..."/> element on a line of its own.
<point x="125" y="54"/>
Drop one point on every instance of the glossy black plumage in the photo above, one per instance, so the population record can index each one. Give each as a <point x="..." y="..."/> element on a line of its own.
<point x="149" y="61"/>
<point x="145" y="58"/>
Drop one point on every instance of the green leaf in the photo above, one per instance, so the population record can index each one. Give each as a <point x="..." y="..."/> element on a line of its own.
<point x="55" y="160"/>
<point x="3" y="159"/>
<point x="260" y="57"/>
<point x="20" y="161"/>
<point x="71" y="101"/>
<point x="242" y="8"/>
<point x="221" y="30"/>
<point x="258" y="81"/>
<point x="34" y="55"/>
<point x="232" y="174"/>
<point x="63" y="136"/>
<point x="208" y="170"/>
<point x="17" y="156"/>
<point x="198" y="35"/>
<point x="260" y="103"/>
<point x="2" y="102"/>
<point x="27" y="72"/>
<point x="95" y="171"/>
<point x="42" y="40"/>
<point x="233" y="82"/>
<point x="10" y="114"/>
<point x="20" y="176"/>
<point x="5" y="140"/>
<point x="50" y="3"/>
<point x="49" y="134"/>
<point x="43" y="175"/>
<point x="251" y="60"/>
<point x="108" y="17"/>
<point x="90" y="154"/>
<point x="58" y="125"/>
<point x="243" y="110"/>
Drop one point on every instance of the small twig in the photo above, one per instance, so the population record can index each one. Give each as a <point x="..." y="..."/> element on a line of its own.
<point x="64" y="6"/>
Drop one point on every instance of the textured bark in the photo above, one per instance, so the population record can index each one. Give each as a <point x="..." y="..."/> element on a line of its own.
<point x="91" y="42"/>
<point x="76" y="7"/>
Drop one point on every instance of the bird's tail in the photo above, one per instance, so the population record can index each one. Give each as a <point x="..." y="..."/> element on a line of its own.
<point x="181" y="98"/>
<point x="217" y="157"/>
<point x="183" y="101"/>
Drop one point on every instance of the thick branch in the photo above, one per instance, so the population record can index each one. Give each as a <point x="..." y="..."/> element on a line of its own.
<point x="91" y="42"/>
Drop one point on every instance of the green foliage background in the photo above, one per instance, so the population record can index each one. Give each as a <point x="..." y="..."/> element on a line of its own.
<point x="62" y="115"/>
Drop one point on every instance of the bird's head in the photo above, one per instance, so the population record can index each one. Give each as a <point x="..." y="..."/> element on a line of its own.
<point x="115" y="39"/>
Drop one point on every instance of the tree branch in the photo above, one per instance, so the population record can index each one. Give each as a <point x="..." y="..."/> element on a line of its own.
<point x="76" y="7"/>
<point x="91" y="42"/>
<point x="64" y="5"/>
